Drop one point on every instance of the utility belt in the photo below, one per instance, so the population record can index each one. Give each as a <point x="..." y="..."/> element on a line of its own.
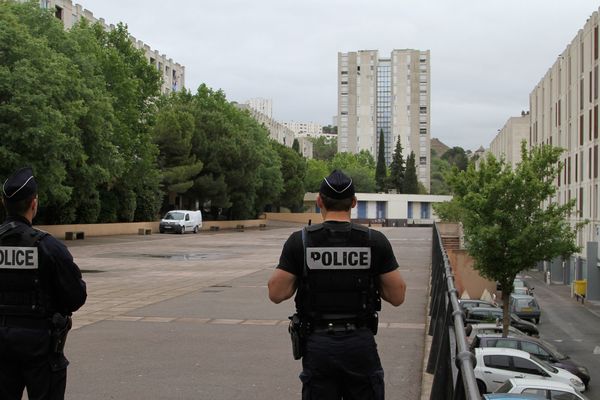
<point x="17" y="321"/>
<point x="58" y="325"/>
<point x="300" y="329"/>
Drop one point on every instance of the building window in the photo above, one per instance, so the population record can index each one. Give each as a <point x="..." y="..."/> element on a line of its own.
<point x="423" y="110"/>
<point x="595" y="161"/>
<point x="422" y="160"/>
<point x="58" y="13"/>
<point x="595" y="43"/>
<point x="344" y="72"/>
<point x="596" y="121"/>
<point x="344" y="82"/>
<point x="581" y="130"/>
<point x="423" y="131"/>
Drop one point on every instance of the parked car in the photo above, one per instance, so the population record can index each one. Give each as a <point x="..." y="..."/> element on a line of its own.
<point x="520" y="290"/>
<point x="539" y="348"/>
<point x="486" y="314"/>
<point x="522" y="284"/>
<point x="180" y="221"/>
<point x="496" y="365"/>
<point x="472" y="330"/>
<point x="542" y="387"/>
<point x="512" y="396"/>
<point x="467" y="304"/>
<point x="525" y="306"/>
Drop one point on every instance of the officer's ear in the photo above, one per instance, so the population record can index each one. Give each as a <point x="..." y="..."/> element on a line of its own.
<point x="320" y="202"/>
<point x="354" y="202"/>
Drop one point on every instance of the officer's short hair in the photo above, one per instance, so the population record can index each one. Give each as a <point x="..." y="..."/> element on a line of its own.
<point x="336" y="204"/>
<point x="14" y="208"/>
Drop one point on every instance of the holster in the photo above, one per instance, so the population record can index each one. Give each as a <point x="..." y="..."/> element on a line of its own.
<point x="373" y="323"/>
<point x="297" y="332"/>
<point x="61" y="325"/>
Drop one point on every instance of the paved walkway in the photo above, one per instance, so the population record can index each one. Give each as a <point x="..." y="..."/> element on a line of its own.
<point x="187" y="317"/>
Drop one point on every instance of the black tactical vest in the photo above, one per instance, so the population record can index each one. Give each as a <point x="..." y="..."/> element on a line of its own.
<point x="21" y="292"/>
<point x="337" y="281"/>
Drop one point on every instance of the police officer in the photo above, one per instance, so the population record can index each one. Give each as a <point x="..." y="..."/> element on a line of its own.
<point x="40" y="286"/>
<point x="339" y="272"/>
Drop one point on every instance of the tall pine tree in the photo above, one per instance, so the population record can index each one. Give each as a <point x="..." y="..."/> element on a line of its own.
<point x="396" y="178"/>
<point x="381" y="170"/>
<point x="411" y="184"/>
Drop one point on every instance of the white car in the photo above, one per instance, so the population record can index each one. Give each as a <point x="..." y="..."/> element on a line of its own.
<point x="496" y="365"/>
<point x="473" y="330"/>
<point x="546" y="388"/>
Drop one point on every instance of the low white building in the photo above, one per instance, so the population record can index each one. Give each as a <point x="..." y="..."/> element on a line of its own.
<point x="410" y="207"/>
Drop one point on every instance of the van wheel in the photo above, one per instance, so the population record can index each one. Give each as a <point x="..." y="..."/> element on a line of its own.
<point x="481" y="387"/>
<point x="182" y="230"/>
<point x="536" y="321"/>
<point x="196" y="229"/>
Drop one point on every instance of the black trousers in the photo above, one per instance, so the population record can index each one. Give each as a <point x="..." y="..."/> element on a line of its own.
<point x="342" y="366"/>
<point x="25" y="362"/>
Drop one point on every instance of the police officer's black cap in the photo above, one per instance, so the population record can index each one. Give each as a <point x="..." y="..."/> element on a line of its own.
<point x="337" y="186"/>
<point x="19" y="186"/>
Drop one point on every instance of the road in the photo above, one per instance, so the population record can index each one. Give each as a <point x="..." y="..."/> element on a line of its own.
<point x="187" y="317"/>
<point x="573" y="328"/>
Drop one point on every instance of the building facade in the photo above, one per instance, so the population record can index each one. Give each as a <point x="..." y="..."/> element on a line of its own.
<point x="415" y="208"/>
<point x="310" y="129"/>
<point x="263" y="106"/>
<point x="279" y="132"/>
<point x="173" y="73"/>
<point x="564" y="113"/>
<point x="389" y="94"/>
<point x="507" y="142"/>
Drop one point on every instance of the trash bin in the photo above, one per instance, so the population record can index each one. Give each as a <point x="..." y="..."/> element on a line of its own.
<point x="580" y="287"/>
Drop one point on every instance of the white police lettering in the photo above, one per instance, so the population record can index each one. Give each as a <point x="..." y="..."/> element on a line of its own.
<point x="18" y="257"/>
<point x="338" y="257"/>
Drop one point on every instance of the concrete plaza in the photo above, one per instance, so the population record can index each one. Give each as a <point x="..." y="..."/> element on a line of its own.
<point x="188" y="317"/>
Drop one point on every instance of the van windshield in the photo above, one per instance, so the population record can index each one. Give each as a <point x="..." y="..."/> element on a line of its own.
<point x="174" y="215"/>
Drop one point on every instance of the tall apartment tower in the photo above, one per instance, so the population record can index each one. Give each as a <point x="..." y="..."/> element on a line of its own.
<point x="385" y="94"/>
<point x="564" y="113"/>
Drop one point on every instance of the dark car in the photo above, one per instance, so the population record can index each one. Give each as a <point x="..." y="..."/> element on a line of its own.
<point x="525" y="307"/>
<point x="477" y="315"/>
<point x="467" y="304"/>
<point x="539" y="348"/>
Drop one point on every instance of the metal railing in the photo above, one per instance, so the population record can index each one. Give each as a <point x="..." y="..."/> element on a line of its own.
<point x="450" y="360"/>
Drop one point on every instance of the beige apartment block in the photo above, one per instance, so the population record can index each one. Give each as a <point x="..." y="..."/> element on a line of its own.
<point x="311" y="129"/>
<point x="278" y="131"/>
<point x="389" y="94"/>
<point x="173" y="73"/>
<point x="263" y="106"/>
<point x="507" y="143"/>
<point x="564" y="113"/>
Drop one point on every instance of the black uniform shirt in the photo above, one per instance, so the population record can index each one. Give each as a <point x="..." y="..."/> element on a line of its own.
<point x="58" y="272"/>
<point x="292" y="255"/>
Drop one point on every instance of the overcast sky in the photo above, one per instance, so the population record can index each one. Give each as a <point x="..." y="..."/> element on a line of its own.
<point x="486" y="55"/>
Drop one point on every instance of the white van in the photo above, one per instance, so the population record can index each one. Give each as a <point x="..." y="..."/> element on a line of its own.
<point x="181" y="221"/>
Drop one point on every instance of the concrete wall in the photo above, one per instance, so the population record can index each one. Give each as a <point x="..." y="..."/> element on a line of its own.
<point x="466" y="278"/>
<point x="301" y="218"/>
<point x="132" y="228"/>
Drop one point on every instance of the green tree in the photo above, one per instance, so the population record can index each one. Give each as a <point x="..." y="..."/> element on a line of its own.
<point x="316" y="170"/>
<point x="439" y="169"/>
<point x="509" y="217"/>
<point x="173" y="132"/>
<point x="296" y="146"/>
<point x="360" y="167"/>
<point x="324" y="148"/>
<point x="380" y="170"/>
<point x="397" y="169"/>
<point x="411" y="183"/>
<point x="293" y="172"/>
<point x="456" y="156"/>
